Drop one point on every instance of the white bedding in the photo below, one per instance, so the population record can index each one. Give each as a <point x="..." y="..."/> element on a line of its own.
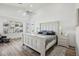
<point x="47" y="38"/>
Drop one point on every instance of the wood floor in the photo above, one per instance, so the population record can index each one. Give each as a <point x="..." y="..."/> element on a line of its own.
<point x="16" y="48"/>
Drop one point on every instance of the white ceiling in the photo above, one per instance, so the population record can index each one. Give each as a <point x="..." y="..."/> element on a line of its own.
<point x="15" y="10"/>
<point x="27" y="6"/>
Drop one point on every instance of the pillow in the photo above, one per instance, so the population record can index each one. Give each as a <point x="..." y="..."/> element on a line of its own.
<point x="42" y="32"/>
<point x="39" y="32"/>
<point x="3" y="36"/>
<point x="51" y="33"/>
<point x="47" y="32"/>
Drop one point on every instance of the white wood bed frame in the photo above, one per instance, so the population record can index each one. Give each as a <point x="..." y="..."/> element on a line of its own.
<point x="39" y="43"/>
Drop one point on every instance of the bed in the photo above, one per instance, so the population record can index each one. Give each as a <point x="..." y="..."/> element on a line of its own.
<point x="41" y="42"/>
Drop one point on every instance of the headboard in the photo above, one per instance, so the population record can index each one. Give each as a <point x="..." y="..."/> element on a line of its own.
<point x="50" y="26"/>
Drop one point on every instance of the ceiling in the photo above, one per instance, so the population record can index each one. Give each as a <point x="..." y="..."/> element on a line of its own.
<point x="18" y="10"/>
<point x="27" y="6"/>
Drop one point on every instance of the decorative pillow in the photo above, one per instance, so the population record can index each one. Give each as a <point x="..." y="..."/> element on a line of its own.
<point x="42" y="32"/>
<point x="51" y="33"/>
<point x="39" y="32"/>
<point x="47" y="32"/>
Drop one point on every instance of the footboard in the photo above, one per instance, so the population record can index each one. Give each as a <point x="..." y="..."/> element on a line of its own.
<point x="35" y="42"/>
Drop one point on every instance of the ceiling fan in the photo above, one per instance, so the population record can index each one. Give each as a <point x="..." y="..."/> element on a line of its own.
<point x="28" y="11"/>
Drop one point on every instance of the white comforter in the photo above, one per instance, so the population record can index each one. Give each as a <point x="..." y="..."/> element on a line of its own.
<point x="48" y="38"/>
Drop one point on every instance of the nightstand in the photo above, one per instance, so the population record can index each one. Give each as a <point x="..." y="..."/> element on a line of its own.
<point x="63" y="41"/>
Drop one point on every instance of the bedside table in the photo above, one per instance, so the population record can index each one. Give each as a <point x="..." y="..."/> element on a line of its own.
<point x="63" y="41"/>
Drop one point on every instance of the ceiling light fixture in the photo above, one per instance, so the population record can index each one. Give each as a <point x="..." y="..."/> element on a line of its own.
<point x="31" y="5"/>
